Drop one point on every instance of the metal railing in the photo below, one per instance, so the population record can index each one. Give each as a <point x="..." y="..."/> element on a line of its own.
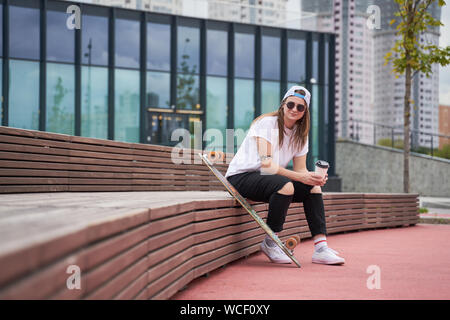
<point x="382" y="131"/>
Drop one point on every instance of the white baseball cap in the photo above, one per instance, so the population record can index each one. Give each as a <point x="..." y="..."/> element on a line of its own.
<point x="291" y="92"/>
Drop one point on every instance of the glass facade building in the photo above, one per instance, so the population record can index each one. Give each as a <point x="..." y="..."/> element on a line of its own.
<point x="136" y="76"/>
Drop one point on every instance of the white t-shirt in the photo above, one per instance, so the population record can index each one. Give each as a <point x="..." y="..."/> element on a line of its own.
<point x="247" y="159"/>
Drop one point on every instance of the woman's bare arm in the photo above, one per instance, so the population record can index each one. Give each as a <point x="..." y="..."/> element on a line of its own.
<point x="269" y="167"/>
<point x="300" y="166"/>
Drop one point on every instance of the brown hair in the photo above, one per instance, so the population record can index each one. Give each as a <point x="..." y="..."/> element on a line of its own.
<point x="301" y="127"/>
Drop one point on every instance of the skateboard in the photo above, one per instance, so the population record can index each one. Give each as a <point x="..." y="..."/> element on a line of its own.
<point x="290" y="244"/>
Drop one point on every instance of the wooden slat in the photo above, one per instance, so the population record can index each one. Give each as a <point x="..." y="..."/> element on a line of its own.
<point x="89" y="162"/>
<point x="33" y="157"/>
<point x="34" y="134"/>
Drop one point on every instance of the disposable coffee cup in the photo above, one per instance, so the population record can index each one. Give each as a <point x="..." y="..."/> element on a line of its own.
<point x="322" y="167"/>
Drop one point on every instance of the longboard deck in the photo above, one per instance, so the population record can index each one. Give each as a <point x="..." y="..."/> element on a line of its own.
<point x="235" y="194"/>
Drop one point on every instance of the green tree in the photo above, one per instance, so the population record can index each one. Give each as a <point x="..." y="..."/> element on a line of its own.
<point x="59" y="120"/>
<point x="409" y="57"/>
<point x="186" y="94"/>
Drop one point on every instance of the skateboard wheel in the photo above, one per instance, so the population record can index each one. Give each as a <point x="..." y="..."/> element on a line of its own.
<point x="297" y="238"/>
<point x="216" y="156"/>
<point x="291" y="243"/>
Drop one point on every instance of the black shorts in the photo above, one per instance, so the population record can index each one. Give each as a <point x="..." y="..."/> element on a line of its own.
<point x="259" y="187"/>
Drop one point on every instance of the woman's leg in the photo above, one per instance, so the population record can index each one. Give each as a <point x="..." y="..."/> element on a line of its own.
<point x="279" y="203"/>
<point x="315" y="216"/>
<point x="313" y="204"/>
<point x="313" y="207"/>
<point x="277" y="190"/>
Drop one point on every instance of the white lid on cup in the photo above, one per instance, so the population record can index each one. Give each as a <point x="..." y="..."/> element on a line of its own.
<point x="322" y="164"/>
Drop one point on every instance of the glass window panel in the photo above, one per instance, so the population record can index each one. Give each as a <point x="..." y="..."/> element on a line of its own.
<point x="1" y="30"/>
<point x="217" y="52"/>
<point x="1" y="91"/>
<point x="326" y="122"/>
<point x="195" y="125"/>
<point x="296" y="60"/>
<point x="315" y="60"/>
<point x="244" y="104"/>
<point x="161" y="126"/>
<point x="126" y="122"/>
<point x="94" y="102"/>
<point x="94" y="37"/>
<point x="24" y="104"/>
<point x="188" y="96"/>
<point x="188" y="49"/>
<point x="158" y="46"/>
<point x="127" y="43"/>
<point x="154" y="128"/>
<point x="158" y="90"/>
<point x="60" y="39"/>
<point x="270" y="96"/>
<point x="327" y="56"/>
<point x="244" y="55"/>
<point x="270" y="68"/>
<point x="315" y="122"/>
<point x="290" y="84"/>
<point x="216" y="110"/>
<point x="325" y="104"/>
<point x="60" y="98"/>
<point x="24" y="24"/>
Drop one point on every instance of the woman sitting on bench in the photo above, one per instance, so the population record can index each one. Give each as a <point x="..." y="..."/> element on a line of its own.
<point x="258" y="171"/>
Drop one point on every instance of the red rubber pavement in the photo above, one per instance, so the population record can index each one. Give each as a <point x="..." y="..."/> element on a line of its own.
<point x="414" y="263"/>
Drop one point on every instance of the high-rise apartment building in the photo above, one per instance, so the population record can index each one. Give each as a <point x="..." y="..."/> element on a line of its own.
<point x="389" y="91"/>
<point x="367" y="91"/>
<point x="353" y="61"/>
<point x="267" y="12"/>
<point x="318" y="15"/>
<point x="356" y="51"/>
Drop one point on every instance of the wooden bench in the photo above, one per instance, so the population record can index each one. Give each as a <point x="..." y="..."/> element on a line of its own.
<point x="136" y="245"/>
<point x="36" y="161"/>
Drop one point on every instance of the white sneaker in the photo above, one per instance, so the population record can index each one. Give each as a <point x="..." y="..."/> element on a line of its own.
<point x="334" y="251"/>
<point x="327" y="256"/>
<point x="275" y="254"/>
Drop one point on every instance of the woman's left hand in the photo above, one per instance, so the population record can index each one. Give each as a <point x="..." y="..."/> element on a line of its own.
<point x="325" y="179"/>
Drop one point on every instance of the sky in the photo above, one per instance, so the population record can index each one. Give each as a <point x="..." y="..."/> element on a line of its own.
<point x="444" y="72"/>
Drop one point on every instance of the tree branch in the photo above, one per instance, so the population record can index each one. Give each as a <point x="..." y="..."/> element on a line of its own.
<point x="422" y="13"/>
<point x="403" y="17"/>
<point x="415" y="5"/>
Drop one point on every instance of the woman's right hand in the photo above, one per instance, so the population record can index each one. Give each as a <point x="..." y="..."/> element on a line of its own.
<point x="311" y="178"/>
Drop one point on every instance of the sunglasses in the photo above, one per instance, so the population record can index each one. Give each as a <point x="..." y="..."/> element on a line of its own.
<point x="291" y="105"/>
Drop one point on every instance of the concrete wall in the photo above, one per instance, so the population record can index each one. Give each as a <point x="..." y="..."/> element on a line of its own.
<point x="368" y="168"/>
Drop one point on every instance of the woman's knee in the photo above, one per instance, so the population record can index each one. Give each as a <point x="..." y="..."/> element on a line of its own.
<point x="316" y="189"/>
<point x="287" y="189"/>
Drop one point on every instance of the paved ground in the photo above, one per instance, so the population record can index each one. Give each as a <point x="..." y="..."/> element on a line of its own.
<point x="436" y="213"/>
<point x="414" y="263"/>
<point x="438" y="208"/>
